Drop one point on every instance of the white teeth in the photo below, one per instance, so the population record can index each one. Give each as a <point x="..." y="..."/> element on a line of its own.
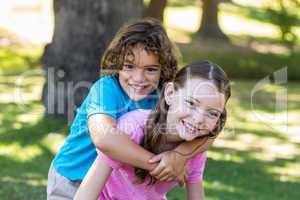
<point x="137" y="87"/>
<point x="189" y="127"/>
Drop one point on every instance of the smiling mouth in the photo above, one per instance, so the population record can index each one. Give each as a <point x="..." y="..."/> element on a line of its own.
<point x="192" y="129"/>
<point x="189" y="127"/>
<point x="138" y="87"/>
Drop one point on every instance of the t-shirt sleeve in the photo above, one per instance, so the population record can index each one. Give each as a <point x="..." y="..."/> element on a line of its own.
<point x="196" y="168"/>
<point x="103" y="98"/>
<point x="132" y="125"/>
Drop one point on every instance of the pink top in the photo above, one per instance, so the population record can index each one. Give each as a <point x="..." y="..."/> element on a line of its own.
<point x="121" y="186"/>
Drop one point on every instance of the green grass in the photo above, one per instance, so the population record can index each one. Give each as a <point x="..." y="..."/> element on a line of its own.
<point x="17" y="59"/>
<point x="255" y="50"/>
<point x="253" y="159"/>
<point x="241" y="62"/>
<point x="257" y="156"/>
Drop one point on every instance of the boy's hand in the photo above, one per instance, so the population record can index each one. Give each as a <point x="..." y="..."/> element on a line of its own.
<point x="171" y="167"/>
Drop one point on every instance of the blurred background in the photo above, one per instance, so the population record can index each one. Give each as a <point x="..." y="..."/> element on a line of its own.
<point x="48" y="48"/>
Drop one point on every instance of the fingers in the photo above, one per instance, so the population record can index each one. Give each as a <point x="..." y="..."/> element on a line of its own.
<point x="165" y="177"/>
<point x="171" y="178"/>
<point x="162" y="173"/>
<point x="181" y="180"/>
<point x="165" y="174"/>
<point x="155" y="158"/>
<point x="155" y="172"/>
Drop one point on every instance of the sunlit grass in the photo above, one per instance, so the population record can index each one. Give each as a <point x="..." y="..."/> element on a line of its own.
<point x="53" y="141"/>
<point x="246" y="143"/>
<point x="187" y="20"/>
<point x="236" y="25"/>
<point x="19" y="153"/>
<point x="256" y="157"/>
<point x="17" y="59"/>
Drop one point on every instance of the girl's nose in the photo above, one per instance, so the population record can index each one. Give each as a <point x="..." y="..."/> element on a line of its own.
<point x="198" y="116"/>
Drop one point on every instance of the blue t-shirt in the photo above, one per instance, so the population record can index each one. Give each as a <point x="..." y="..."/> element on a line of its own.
<point x="106" y="96"/>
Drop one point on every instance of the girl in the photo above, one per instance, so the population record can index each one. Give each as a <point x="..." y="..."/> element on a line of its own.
<point x="191" y="106"/>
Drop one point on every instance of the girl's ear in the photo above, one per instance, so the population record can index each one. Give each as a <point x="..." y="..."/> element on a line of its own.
<point x="169" y="92"/>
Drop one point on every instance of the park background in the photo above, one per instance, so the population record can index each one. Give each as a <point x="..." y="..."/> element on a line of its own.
<point x="256" y="42"/>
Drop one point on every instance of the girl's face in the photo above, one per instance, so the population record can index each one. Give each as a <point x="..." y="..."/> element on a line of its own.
<point x="193" y="109"/>
<point x="140" y="73"/>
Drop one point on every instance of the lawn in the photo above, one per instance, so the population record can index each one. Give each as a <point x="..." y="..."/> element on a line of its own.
<point x="254" y="158"/>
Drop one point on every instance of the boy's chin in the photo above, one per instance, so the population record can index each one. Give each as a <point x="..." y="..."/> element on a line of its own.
<point x="137" y="97"/>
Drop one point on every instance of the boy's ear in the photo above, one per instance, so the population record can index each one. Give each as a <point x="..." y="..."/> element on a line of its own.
<point x="169" y="92"/>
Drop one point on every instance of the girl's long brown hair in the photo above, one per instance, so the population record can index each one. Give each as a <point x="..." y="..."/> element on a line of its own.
<point x="155" y="126"/>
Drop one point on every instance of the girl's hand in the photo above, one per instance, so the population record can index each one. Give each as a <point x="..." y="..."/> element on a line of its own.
<point x="171" y="166"/>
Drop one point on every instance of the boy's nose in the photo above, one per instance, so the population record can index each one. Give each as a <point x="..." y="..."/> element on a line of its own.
<point x="138" y="76"/>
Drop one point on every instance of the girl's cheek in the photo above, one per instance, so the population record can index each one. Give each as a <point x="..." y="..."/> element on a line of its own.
<point x="212" y="125"/>
<point x="184" y="113"/>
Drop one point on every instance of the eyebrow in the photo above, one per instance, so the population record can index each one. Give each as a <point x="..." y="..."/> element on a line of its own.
<point x="209" y="107"/>
<point x="154" y="65"/>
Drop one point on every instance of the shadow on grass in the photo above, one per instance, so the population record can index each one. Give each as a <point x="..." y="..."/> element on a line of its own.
<point x="25" y="178"/>
<point x="240" y="61"/>
<point x="261" y="14"/>
<point x="249" y="178"/>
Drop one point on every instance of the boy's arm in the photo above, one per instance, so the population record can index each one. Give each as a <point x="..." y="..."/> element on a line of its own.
<point x="194" y="147"/>
<point x="116" y="144"/>
<point x="194" y="191"/>
<point x="175" y="160"/>
<point x="92" y="184"/>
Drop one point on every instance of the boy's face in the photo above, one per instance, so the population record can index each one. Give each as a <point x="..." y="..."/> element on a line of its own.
<point x="140" y="73"/>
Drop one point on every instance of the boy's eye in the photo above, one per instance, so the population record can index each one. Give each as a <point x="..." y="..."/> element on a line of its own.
<point x="152" y="69"/>
<point x="128" y="66"/>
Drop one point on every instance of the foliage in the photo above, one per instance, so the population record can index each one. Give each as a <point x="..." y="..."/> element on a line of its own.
<point x="285" y="14"/>
<point x="282" y="13"/>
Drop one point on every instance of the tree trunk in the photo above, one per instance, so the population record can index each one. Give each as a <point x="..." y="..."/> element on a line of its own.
<point x="209" y="27"/>
<point x="83" y="29"/>
<point x="156" y="9"/>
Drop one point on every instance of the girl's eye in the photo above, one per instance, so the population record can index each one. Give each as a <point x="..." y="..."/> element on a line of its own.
<point x="212" y="114"/>
<point x="190" y="103"/>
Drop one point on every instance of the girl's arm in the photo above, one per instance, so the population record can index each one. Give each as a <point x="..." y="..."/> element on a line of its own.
<point x="93" y="182"/>
<point x="116" y="144"/>
<point x="194" y="191"/>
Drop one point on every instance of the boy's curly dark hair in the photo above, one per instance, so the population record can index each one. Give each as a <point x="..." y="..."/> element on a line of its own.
<point x="148" y="33"/>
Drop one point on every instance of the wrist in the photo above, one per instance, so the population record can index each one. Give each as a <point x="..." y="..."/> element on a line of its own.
<point x="182" y="155"/>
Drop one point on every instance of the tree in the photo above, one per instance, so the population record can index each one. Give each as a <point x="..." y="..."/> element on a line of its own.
<point x="284" y="14"/>
<point x="156" y="9"/>
<point x="71" y="61"/>
<point x="209" y="26"/>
